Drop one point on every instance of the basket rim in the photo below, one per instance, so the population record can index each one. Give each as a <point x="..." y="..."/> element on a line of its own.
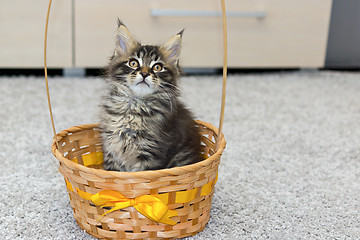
<point x="149" y="174"/>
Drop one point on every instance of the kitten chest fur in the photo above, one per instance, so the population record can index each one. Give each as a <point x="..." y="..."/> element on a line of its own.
<point x="133" y="128"/>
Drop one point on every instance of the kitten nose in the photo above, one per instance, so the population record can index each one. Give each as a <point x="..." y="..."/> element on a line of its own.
<point x="144" y="74"/>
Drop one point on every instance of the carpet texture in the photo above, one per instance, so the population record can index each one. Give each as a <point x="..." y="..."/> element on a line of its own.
<point x="291" y="169"/>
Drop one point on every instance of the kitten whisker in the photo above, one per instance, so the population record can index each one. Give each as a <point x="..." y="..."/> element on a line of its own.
<point x="168" y="96"/>
<point x="173" y="91"/>
<point x="171" y="86"/>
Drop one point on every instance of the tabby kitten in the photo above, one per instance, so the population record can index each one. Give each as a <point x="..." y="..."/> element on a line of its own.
<point x="144" y="124"/>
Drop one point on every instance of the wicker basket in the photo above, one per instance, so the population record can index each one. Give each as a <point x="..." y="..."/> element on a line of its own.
<point x="78" y="143"/>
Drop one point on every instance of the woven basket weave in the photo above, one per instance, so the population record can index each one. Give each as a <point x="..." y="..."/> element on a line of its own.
<point x="128" y="223"/>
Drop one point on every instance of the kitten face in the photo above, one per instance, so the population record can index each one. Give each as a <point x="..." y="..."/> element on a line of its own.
<point x="145" y="69"/>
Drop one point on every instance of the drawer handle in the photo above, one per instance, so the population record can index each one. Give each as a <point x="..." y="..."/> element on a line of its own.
<point x="194" y="13"/>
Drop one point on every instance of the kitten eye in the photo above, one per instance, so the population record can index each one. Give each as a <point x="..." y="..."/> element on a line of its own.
<point x="133" y="63"/>
<point x="157" y="67"/>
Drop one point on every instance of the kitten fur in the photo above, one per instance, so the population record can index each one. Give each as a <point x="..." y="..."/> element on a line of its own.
<point x="144" y="124"/>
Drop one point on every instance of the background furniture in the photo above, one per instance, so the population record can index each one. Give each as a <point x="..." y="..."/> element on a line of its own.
<point x="22" y="26"/>
<point x="343" y="49"/>
<point x="262" y="33"/>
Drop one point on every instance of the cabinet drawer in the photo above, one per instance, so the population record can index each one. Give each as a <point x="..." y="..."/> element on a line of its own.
<point x="261" y="33"/>
<point x="22" y="34"/>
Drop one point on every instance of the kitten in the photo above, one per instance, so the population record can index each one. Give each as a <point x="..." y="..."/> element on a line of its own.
<point x="144" y="124"/>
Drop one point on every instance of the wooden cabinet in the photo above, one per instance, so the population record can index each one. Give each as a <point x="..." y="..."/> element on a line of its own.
<point x="261" y="33"/>
<point x="22" y="26"/>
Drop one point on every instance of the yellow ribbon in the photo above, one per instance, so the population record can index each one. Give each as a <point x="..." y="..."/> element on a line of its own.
<point x="189" y="195"/>
<point x="149" y="206"/>
<point x="90" y="159"/>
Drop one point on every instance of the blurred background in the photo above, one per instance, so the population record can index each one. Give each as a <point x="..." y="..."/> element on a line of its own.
<point x="263" y="34"/>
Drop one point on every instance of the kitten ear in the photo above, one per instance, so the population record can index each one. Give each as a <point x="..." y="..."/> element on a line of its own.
<point x="172" y="48"/>
<point x="125" y="42"/>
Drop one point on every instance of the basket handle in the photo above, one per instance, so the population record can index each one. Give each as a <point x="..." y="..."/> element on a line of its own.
<point x="46" y="75"/>
<point x="222" y="111"/>
<point x="223" y="13"/>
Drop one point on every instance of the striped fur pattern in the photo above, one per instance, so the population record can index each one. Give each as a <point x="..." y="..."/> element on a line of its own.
<point x="144" y="124"/>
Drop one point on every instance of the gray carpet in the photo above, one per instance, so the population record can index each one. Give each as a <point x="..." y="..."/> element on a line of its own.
<point x="291" y="169"/>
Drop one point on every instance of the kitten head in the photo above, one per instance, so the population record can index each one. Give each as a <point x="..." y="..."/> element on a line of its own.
<point x="145" y="69"/>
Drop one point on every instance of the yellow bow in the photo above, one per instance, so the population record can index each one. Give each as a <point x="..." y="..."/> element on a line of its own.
<point x="149" y="206"/>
